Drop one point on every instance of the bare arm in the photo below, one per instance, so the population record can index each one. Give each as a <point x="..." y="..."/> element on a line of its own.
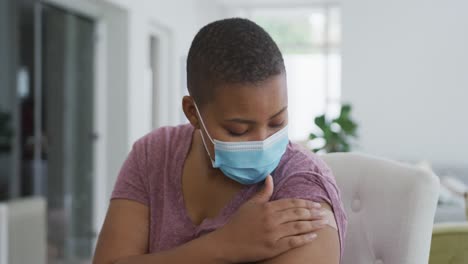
<point x="124" y="239"/>
<point x="246" y="237"/>
<point x="324" y="250"/>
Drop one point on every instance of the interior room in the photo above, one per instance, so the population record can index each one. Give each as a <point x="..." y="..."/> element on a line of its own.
<point x="376" y="93"/>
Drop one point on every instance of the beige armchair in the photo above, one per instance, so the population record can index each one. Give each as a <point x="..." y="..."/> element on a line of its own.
<point x="390" y="208"/>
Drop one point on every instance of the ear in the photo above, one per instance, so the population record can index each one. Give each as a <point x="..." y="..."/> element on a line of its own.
<point x="188" y="106"/>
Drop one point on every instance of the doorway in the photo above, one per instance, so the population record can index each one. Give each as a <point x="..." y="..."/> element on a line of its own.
<point x="56" y="123"/>
<point x="67" y="99"/>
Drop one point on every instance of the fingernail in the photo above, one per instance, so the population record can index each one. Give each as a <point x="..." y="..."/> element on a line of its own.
<point x="317" y="205"/>
<point x="311" y="236"/>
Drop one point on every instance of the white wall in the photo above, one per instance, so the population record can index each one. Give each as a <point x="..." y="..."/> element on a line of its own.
<point x="182" y="19"/>
<point x="179" y="20"/>
<point x="405" y="71"/>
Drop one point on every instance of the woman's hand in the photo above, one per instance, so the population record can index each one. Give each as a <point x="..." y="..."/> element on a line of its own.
<point x="261" y="229"/>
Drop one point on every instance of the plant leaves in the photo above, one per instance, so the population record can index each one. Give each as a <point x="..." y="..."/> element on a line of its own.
<point x="315" y="150"/>
<point x="345" y="111"/>
<point x="321" y="122"/>
<point x="5" y="131"/>
<point x="347" y="125"/>
<point x="312" y="136"/>
<point x="337" y="132"/>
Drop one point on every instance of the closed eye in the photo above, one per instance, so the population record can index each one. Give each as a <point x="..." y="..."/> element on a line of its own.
<point x="277" y="125"/>
<point x="236" y="134"/>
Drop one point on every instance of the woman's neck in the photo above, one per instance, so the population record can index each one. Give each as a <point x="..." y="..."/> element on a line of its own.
<point x="204" y="165"/>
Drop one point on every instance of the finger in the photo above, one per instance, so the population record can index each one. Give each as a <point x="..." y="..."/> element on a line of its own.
<point x="297" y="214"/>
<point x="288" y="203"/>
<point x="265" y="193"/>
<point x="290" y="242"/>
<point x="300" y="227"/>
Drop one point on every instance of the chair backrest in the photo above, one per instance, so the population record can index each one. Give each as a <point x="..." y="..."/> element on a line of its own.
<point x="390" y="208"/>
<point x="23" y="231"/>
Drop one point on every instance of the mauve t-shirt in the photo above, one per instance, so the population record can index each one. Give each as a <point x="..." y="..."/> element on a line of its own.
<point x="152" y="175"/>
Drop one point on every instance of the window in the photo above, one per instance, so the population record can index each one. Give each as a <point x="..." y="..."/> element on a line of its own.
<point x="310" y="40"/>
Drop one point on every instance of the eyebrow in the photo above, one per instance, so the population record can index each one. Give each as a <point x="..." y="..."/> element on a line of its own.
<point x="247" y="121"/>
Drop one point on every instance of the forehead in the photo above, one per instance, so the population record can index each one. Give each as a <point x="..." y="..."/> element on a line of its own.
<point x="251" y="100"/>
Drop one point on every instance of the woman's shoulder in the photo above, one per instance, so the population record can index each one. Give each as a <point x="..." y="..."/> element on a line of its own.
<point x="303" y="174"/>
<point x="165" y="138"/>
<point x="299" y="160"/>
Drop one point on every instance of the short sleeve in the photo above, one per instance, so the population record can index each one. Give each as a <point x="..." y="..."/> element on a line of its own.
<point x="132" y="182"/>
<point x="305" y="185"/>
<point x="304" y="175"/>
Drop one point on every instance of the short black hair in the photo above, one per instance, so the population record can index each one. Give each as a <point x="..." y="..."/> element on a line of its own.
<point x="230" y="51"/>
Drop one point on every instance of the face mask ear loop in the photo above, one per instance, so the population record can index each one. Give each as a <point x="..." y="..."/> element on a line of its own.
<point x="203" y="138"/>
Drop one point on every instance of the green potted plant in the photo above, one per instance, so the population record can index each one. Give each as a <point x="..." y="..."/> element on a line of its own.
<point x="6" y="132"/>
<point x="335" y="134"/>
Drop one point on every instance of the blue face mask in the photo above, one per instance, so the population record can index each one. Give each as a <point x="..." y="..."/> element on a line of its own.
<point x="247" y="162"/>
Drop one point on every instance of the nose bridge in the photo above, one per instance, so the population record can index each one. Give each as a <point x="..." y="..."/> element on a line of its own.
<point x="261" y="134"/>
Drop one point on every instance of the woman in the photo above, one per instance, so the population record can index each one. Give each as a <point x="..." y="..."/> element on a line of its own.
<point x="229" y="187"/>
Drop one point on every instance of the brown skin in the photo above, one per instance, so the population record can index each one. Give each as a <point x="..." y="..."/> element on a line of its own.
<point x="239" y="113"/>
<point x="261" y="230"/>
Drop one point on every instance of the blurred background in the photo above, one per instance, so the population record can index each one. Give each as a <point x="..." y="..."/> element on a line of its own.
<point x="81" y="80"/>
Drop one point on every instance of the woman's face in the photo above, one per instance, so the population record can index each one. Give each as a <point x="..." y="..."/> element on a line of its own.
<point x="244" y="112"/>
